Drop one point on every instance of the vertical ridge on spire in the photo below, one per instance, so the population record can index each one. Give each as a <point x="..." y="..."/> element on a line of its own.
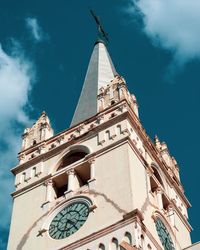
<point x="99" y="73"/>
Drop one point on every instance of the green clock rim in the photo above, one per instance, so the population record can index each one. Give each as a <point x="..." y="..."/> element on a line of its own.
<point x="159" y="223"/>
<point x="64" y="233"/>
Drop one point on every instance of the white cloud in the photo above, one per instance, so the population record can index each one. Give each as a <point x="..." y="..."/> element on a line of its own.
<point x="173" y="25"/>
<point x="16" y="77"/>
<point x="36" y="31"/>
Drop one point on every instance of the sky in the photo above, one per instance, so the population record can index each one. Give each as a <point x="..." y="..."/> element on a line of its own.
<point x="45" y="48"/>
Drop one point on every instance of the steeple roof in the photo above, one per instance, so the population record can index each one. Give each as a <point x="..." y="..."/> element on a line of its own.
<point x="99" y="73"/>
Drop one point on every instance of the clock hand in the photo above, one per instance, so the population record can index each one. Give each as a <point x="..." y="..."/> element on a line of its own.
<point x="72" y="222"/>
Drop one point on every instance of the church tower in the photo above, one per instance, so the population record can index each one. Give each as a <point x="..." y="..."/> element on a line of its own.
<point x="102" y="184"/>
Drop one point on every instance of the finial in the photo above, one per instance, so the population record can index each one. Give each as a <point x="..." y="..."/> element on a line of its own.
<point x="156" y="139"/>
<point x="102" y="35"/>
<point x="157" y="142"/>
<point x="43" y="112"/>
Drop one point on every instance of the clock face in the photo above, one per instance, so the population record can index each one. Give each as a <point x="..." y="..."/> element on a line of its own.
<point x="68" y="220"/>
<point x="164" y="235"/>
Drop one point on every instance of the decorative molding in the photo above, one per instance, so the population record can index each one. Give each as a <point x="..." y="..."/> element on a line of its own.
<point x="30" y="186"/>
<point x="70" y="171"/>
<point x="91" y="160"/>
<point x="48" y="182"/>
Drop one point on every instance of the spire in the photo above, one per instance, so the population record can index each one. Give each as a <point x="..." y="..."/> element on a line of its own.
<point x="99" y="74"/>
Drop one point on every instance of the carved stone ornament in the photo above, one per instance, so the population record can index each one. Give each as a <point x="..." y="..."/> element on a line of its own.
<point x="48" y="182"/>
<point x="70" y="171"/>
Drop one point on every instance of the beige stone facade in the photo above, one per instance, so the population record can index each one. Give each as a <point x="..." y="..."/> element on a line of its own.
<point x="109" y="161"/>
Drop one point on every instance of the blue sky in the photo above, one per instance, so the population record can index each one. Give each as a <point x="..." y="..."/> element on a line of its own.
<point x="44" y="53"/>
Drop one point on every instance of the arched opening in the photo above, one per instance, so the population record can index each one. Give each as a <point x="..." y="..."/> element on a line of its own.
<point x="114" y="245"/>
<point x="82" y="174"/>
<point x="74" y="177"/>
<point x="157" y="175"/>
<point x="142" y="241"/>
<point x="149" y="247"/>
<point x="128" y="238"/>
<point x="165" y="201"/>
<point x="101" y="247"/>
<point x="34" y="142"/>
<point x="155" y="180"/>
<point x="60" y="184"/>
<point x="71" y="158"/>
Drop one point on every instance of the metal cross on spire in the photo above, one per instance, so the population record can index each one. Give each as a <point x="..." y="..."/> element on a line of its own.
<point x="101" y="33"/>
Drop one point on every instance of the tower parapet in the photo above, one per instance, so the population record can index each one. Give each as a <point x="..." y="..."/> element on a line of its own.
<point x="114" y="92"/>
<point x="169" y="160"/>
<point x="40" y="131"/>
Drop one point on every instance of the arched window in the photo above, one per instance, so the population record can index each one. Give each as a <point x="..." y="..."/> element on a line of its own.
<point x="142" y="241"/>
<point x="114" y="245"/>
<point x="149" y="247"/>
<point x="34" y="142"/>
<point x="71" y="158"/>
<point x="101" y="247"/>
<point x="128" y="238"/>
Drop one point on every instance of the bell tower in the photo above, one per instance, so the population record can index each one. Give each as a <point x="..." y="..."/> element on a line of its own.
<point x="101" y="184"/>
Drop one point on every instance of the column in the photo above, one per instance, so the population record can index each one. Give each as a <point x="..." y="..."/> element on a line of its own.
<point x="100" y="102"/>
<point x="24" y="140"/>
<point x="42" y="132"/>
<point x="92" y="170"/>
<point x="137" y="235"/>
<point x="159" y="197"/>
<point x="70" y="184"/>
<point x="91" y="181"/>
<point x="149" y="174"/>
<point x="120" y="91"/>
<point x="49" y="190"/>
<point x="171" y="215"/>
<point x="70" y="174"/>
